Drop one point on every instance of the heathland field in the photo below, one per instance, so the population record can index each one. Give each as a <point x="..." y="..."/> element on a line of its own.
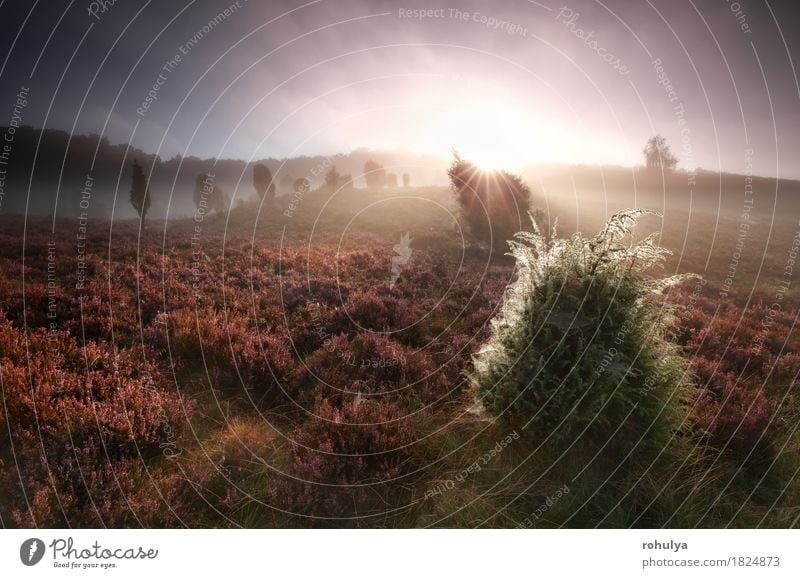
<point x="299" y="363"/>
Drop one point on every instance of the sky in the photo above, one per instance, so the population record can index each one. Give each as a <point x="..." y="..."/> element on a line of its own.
<point x="509" y="83"/>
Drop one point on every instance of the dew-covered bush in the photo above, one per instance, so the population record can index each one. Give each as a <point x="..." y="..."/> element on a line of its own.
<point x="578" y="349"/>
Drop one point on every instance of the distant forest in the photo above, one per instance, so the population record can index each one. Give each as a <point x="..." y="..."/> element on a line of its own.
<point x="63" y="164"/>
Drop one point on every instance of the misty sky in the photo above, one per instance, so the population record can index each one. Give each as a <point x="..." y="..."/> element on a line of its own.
<point x="517" y="80"/>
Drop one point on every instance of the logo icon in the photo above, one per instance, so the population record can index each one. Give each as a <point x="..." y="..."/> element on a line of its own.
<point x="404" y="251"/>
<point x="31" y="552"/>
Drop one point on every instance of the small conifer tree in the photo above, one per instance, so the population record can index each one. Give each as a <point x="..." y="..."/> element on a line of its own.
<point x="140" y="193"/>
<point x="578" y="349"/>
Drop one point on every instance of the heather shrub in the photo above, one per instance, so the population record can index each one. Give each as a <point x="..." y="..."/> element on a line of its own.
<point x="364" y="440"/>
<point x="230" y="476"/>
<point x="349" y="461"/>
<point x="455" y="355"/>
<point x="372" y="364"/>
<point x="378" y="371"/>
<point x="266" y="365"/>
<point x="81" y="423"/>
<point x="738" y="419"/>
<point x="577" y="350"/>
<point x="754" y="343"/>
<point x="297" y="292"/>
<point x="745" y="362"/>
<point x="204" y="338"/>
<point x="310" y="325"/>
<point x="372" y="311"/>
<point x="89" y="494"/>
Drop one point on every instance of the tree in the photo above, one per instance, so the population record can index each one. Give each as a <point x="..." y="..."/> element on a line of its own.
<point x="657" y="154"/>
<point x="406" y="180"/>
<point x="140" y="193"/>
<point x="374" y="175"/>
<point x="335" y="181"/>
<point x="332" y="178"/>
<point x="491" y="202"/>
<point x="301" y="185"/>
<point x="391" y="180"/>
<point x="207" y="195"/>
<point x="287" y="182"/>
<point x="262" y="181"/>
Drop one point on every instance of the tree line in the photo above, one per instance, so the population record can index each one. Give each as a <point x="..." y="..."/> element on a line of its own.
<point x="209" y="196"/>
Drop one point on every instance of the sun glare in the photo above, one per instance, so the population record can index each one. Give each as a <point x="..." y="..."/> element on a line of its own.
<point x="491" y="135"/>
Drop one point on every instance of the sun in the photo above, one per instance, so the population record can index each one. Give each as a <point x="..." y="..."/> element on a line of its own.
<point x="492" y="135"/>
<point x="489" y="157"/>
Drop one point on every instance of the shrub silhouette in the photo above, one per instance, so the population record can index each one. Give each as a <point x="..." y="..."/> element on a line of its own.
<point x="492" y="202"/>
<point x="374" y="175"/>
<point x="287" y="182"/>
<point x="207" y="195"/>
<point x="262" y="181"/>
<point x="577" y="350"/>
<point x="335" y="181"/>
<point x="140" y="193"/>
<point x="301" y="185"/>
